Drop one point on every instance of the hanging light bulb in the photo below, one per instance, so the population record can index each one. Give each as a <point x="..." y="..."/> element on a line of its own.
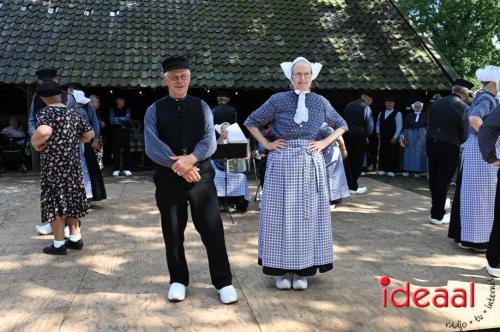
<point x="110" y="91"/>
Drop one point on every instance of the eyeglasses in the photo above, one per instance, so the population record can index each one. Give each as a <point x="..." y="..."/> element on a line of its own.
<point x="302" y="75"/>
<point x="182" y="77"/>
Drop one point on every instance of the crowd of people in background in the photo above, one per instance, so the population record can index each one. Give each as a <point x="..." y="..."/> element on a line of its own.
<point x="398" y="137"/>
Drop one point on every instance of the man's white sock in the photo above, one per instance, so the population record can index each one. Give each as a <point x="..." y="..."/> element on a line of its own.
<point x="58" y="244"/>
<point x="75" y="238"/>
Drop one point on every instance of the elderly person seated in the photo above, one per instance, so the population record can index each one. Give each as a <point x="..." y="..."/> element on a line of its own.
<point x="14" y="130"/>
<point x="238" y="193"/>
<point x="12" y="142"/>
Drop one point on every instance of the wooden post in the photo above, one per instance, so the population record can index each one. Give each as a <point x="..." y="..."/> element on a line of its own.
<point x="29" y="90"/>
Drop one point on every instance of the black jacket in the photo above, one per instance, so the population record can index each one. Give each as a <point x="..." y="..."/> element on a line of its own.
<point x="359" y="120"/>
<point x="448" y="121"/>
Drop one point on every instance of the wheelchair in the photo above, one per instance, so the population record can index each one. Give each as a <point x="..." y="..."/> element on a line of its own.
<point x="13" y="152"/>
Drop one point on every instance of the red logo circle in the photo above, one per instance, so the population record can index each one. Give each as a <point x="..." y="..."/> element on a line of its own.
<point x="384" y="281"/>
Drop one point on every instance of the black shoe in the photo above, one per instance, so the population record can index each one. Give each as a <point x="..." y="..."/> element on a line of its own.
<point x="78" y="245"/>
<point x="51" y="250"/>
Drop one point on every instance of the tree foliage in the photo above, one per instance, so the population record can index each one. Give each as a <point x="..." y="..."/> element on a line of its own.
<point x="466" y="32"/>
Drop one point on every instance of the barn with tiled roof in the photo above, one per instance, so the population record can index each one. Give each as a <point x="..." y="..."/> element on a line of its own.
<point x="237" y="45"/>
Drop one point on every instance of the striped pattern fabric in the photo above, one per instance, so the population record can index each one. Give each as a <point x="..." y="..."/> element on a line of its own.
<point x="137" y="143"/>
<point x="237" y="184"/>
<point x="86" y="177"/>
<point x="295" y="229"/>
<point x="337" y="181"/>
<point x="477" y="195"/>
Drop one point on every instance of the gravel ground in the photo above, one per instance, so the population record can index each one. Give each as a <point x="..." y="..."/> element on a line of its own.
<point x="17" y="192"/>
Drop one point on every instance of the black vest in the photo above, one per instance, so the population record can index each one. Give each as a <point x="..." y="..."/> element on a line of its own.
<point x="120" y="111"/>
<point x="388" y="125"/>
<point x="180" y="123"/>
<point x="411" y="124"/>
<point x="224" y="113"/>
<point x="354" y="115"/>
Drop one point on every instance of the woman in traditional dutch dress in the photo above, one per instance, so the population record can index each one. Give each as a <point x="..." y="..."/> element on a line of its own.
<point x="415" y="157"/>
<point x="295" y="231"/>
<point x="473" y="206"/>
<point x="92" y="177"/>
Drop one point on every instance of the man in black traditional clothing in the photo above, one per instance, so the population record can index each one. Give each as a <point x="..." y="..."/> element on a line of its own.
<point x="447" y="130"/>
<point x="179" y="138"/>
<point x="389" y="126"/>
<point x="224" y="112"/>
<point x="120" y="120"/>
<point x="358" y="116"/>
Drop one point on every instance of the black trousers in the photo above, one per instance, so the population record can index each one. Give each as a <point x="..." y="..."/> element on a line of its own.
<point x="388" y="155"/>
<point x="120" y="138"/>
<point x="443" y="161"/>
<point x="372" y="152"/>
<point x="173" y="194"/>
<point x="493" y="253"/>
<point x="353" y="165"/>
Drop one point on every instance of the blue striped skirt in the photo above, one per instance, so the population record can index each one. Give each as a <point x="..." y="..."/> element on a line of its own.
<point x="295" y="229"/>
<point x="477" y="194"/>
<point x="85" y="172"/>
<point x="237" y="184"/>
<point x="415" y="155"/>
<point x="337" y="181"/>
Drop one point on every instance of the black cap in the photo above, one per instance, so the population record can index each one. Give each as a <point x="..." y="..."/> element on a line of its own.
<point x="48" y="89"/>
<point x="45" y="74"/>
<point x="223" y="93"/>
<point x="464" y="83"/>
<point x="175" y="62"/>
<point x="369" y="94"/>
<point x="390" y="98"/>
<point x="435" y="97"/>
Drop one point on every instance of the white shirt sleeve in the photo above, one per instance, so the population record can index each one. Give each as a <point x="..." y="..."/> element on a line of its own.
<point x="377" y="126"/>
<point x="399" y="125"/>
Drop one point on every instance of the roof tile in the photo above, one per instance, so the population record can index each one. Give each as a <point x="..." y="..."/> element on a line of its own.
<point x="362" y="44"/>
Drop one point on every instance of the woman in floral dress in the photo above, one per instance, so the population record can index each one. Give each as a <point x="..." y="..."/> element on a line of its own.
<point x="59" y="132"/>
